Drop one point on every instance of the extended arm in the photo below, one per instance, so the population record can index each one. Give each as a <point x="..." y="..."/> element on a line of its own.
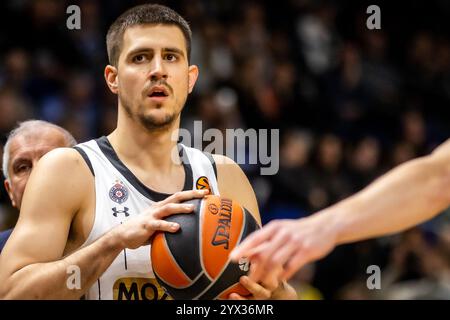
<point x="406" y="196"/>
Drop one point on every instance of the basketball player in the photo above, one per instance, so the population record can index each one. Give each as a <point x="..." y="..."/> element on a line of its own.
<point x="25" y="145"/>
<point x="406" y="196"/>
<point x="95" y="207"/>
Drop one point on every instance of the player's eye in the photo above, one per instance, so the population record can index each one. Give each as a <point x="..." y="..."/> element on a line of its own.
<point x="171" y="57"/>
<point x="139" y="58"/>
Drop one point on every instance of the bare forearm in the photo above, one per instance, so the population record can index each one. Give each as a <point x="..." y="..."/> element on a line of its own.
<point x="52" y="280"/>
<point x="406" y="196"/>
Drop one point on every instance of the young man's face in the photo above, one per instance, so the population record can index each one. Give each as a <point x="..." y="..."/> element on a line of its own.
<point x="153" y="75"/>
<point x="25" y="151"/>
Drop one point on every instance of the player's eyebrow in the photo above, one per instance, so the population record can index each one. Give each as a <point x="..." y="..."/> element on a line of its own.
<point x="139" y="50"/>
<point x="150" y="50"/>
<point x="174" y="50"/>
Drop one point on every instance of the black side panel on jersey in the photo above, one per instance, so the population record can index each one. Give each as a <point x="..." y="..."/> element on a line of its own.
<point x="86" y="158"/>
<point x="213" y="162"/>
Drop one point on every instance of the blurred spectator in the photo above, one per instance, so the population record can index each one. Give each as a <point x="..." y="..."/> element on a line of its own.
<point x="316" y="32"/>
<point x="16" y="70"/>
<point x="291" y="186"/>
<point x="13" y="108"/>
<point x="330" y="182"/>
<point x="417" y="269"/>
<point x="75" y="109"/>
<point x="365" y="162"/>
<point x="414" y="130"/>
<point x="402" y="152"/>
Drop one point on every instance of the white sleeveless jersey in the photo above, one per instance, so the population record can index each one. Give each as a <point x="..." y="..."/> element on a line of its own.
<point x="119" y="196"/>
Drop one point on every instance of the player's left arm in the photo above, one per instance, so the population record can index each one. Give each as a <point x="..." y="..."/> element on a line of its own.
<point x="234" y="184"/>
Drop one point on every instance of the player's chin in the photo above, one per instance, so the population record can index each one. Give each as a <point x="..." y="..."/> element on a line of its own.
<point x="157" y="119"/>
<point x="158" y="114"/>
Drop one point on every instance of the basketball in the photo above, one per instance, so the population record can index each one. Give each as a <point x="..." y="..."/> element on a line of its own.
<point x="193" y="263"/>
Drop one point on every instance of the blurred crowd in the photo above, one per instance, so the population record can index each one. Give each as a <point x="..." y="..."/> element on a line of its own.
<point x="350" y="104"/>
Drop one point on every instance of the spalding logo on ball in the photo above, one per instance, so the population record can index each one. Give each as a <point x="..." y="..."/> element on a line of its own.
<point x="193" y="263"/>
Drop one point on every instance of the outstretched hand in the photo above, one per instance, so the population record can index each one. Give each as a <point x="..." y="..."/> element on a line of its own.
<point x="289" y="243"/>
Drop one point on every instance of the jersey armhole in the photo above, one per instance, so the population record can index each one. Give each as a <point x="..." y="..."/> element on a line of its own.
<point x="213" y="162"/>
<point x="86" y="159"/>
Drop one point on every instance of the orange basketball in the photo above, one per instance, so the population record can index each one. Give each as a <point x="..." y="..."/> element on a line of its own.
<point x="193" y="263"/>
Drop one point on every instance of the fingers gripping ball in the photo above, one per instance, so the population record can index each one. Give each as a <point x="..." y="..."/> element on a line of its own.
<point x="193" y="263"/>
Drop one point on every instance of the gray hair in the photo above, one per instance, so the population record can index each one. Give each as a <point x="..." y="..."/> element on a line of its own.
<point x="26" y="126"/>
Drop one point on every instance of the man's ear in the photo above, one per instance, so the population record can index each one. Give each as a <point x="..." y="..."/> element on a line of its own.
<point x="111" y="78"/>
<point x="10" y="194"/>
<point x="193" y="76"/>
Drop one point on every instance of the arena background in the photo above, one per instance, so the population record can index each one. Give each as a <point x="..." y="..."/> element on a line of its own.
<point x="350" y="103"/>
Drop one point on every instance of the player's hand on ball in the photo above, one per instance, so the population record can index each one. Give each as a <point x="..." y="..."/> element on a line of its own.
<point x="274" y="290"/>
<point x="138" y="230"/>
<point x="290" y="243"/>
<point x="258" y="291"/>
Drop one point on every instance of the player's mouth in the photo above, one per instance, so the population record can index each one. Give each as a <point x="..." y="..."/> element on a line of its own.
<point x="158" y="93"/>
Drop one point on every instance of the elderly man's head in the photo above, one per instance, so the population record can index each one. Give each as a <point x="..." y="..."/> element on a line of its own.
<point x="26" y="144"/>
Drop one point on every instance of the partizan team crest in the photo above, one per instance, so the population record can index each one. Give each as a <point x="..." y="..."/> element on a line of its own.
<point x="118" y="192"/>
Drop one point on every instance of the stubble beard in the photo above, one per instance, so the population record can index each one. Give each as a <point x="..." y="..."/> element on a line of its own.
<point x="150" y="122"/>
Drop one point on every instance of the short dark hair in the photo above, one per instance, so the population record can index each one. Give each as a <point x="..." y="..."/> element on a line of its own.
<point x="143" y="14"/>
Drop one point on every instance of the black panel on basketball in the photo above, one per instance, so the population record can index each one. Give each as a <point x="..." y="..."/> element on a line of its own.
<point x="187" y="294"/>
<point x="189" y="224"/>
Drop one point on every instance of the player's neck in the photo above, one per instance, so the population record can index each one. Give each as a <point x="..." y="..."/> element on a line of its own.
<point x="144" y="148"/>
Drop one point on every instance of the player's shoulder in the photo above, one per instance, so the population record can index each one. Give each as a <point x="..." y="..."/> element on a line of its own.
<point x="227" y="168"/>
<point x="62" y="161"/>
<point x="225" y="162"/>
<point x="64" y="176"/>
<point x="61" y="156"/>
<point x="234" y="184"/>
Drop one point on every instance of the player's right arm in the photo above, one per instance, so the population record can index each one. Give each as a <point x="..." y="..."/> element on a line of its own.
<point x="32" y="265"/>
<point x="406" y="196"/>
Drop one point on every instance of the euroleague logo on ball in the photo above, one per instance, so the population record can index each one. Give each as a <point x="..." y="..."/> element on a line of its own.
<point x="202" y="183"/>
<point x="244" y="264"/>
<point x="213" y="208"/>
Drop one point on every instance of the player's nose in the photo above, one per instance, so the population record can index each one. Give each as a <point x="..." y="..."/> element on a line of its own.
<point x="158" y="71"/>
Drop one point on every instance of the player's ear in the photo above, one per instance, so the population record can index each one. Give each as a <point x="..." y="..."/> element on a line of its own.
<point x="10" y="194"/>
<point x="111" y="78"/>
<point x="193" y="76"/>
